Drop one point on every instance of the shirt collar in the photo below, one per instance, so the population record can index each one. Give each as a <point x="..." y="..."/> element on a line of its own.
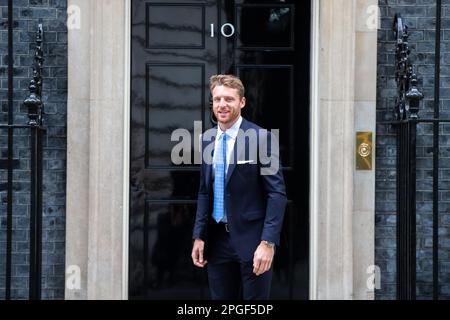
<point x="233" y="131"/>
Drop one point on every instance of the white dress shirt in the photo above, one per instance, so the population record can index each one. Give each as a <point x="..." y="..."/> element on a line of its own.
<point x="231" y="140"/>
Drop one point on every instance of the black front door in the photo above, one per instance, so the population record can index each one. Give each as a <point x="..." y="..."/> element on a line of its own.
<point x="176" y="47"/>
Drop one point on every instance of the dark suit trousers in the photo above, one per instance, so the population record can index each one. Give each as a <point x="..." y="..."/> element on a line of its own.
<point x="229" y="277"/>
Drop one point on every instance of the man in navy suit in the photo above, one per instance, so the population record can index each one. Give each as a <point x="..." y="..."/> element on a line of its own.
<point x="240" y="206"/>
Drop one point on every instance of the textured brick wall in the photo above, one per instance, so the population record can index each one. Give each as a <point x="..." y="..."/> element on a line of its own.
<point x="420" y="16"/>
<point x="26" y="17"/>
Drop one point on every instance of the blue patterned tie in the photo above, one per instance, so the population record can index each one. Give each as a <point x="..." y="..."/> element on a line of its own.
<point x="219" y="179"/>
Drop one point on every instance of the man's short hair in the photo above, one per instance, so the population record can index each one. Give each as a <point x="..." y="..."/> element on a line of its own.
<point x="227" y="80"/>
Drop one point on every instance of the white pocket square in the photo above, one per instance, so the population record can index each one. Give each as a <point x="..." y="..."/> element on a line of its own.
<point x="245" y="161"/>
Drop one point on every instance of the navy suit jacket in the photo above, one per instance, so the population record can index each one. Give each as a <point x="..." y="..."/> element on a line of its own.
<point x="254" y="203"/>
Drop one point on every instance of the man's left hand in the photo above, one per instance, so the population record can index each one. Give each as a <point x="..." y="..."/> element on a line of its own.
<point x="262" y="259"/>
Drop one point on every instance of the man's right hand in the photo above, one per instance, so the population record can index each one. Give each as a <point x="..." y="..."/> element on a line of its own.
<point x="197" y="253"/>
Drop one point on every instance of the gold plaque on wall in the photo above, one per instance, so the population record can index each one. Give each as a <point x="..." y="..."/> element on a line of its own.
<point x="364" y="151"/>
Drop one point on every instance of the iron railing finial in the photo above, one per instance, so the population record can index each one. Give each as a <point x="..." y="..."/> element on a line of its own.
<point x="34" y="102"/>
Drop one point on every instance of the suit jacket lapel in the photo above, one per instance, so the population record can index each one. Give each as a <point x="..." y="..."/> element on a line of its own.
<point x="209" y="166"/>
<point x="238" y="150"/>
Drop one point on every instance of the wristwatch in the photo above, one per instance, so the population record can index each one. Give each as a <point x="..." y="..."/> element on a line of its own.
<point x="269" y="244"/>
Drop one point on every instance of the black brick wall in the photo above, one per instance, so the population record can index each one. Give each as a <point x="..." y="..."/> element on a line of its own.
<point x="27" y="14"/>
<point x="420" y="16"/>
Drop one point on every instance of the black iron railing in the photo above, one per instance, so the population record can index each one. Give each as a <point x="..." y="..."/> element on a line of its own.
<point x="35" y="124"/>
<point x="406" y="112"/>
<point x="35" y="112"/>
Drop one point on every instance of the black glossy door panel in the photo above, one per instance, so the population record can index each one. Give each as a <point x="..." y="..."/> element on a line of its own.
<point x="176" y="46"/>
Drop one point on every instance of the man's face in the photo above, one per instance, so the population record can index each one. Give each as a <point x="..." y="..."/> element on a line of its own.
<point x="227" y="104"/>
